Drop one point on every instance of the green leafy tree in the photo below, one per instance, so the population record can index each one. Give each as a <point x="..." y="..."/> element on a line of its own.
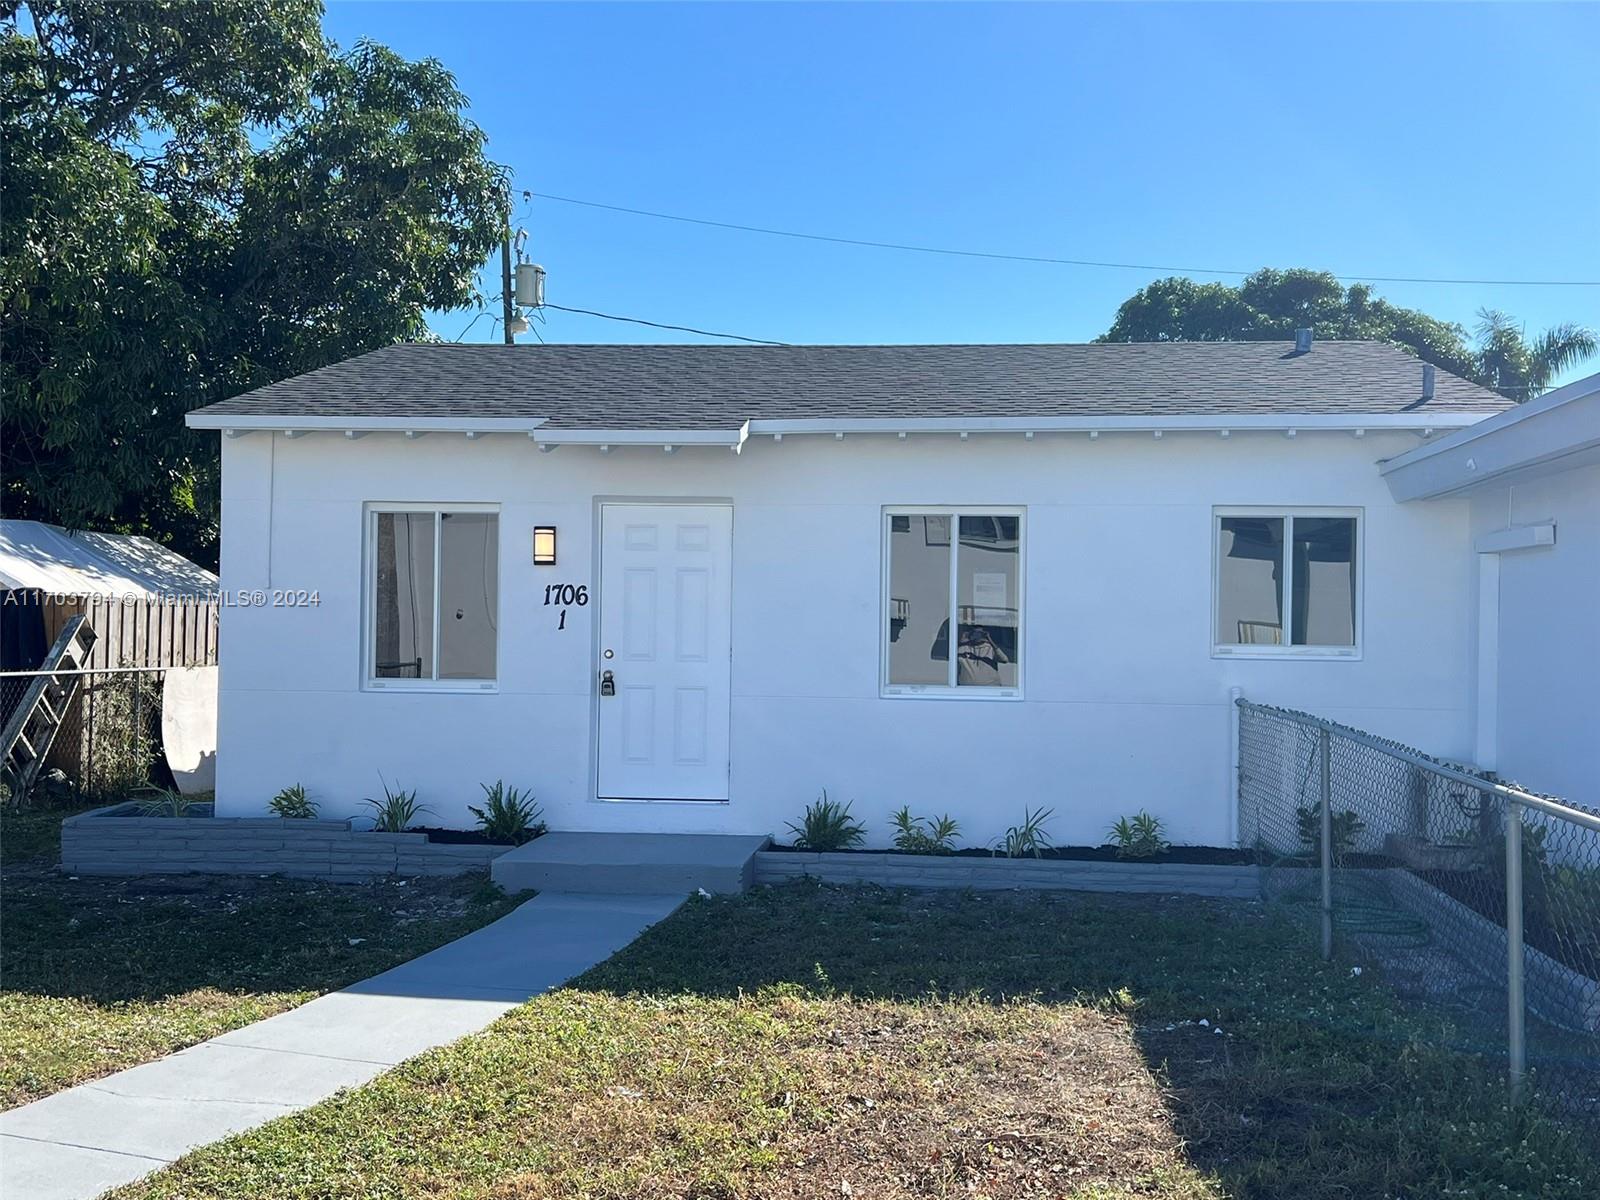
<point x="200" y="197"/>
<point x="1270" y="305"/>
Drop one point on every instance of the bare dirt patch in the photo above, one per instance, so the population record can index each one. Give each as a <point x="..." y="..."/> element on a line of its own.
<point x="1021" y="1101"/>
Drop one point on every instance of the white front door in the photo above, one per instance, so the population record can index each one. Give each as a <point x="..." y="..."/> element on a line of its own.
<point x="665" y="612"/>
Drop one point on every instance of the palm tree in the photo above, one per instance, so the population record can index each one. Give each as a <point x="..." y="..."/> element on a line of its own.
<point x="1519" y="369"/>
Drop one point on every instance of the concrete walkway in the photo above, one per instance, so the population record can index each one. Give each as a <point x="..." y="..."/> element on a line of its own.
<point x="78" y="1143"/>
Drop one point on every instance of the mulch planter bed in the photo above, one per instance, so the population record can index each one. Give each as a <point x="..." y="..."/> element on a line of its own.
<point x="1221" y="856"/>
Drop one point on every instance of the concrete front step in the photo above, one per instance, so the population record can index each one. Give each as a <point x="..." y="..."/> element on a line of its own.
<point x="630" y="863"/>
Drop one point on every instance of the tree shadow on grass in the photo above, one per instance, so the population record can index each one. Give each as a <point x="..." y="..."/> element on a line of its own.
<point x="1282" y="1075"/>
<point x="110" y="940"/>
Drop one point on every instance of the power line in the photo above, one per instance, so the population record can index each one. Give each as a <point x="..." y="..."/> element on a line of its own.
<point x="473" y="322"/>
<point x="1039" y="258"/>
<point x="738" y="337"/>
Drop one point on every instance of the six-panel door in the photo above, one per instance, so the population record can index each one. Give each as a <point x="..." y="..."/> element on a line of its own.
<point x="665" y="611"/>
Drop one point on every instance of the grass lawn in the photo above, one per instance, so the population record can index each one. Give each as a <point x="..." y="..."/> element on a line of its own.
<point x="98" y="974"/>
<point x="811" y="1042"/>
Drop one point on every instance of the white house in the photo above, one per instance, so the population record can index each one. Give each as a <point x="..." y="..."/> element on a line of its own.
<point x="968" y="579"/>
<point x="1531" y="478"/>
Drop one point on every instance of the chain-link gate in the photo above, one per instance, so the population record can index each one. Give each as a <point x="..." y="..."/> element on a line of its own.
<point x="1475" y="897"/>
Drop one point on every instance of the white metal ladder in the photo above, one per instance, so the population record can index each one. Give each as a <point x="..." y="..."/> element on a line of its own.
<point x="33" y="726"/>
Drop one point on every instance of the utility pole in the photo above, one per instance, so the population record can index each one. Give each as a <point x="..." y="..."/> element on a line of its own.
<point x="505" y="289"/>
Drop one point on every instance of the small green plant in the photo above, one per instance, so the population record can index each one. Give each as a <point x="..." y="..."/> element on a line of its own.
<point x="827" y="825"/>
<point x="166" y="803"/>
<point x="293" y="803"/>
<point x="508" y="815"/>
<point x="396" y="811"/>
<point x="1346" y="828"/>
<point x="1027" y="839"/>
<point x="924" y="835"/>
<point x="1139" y="836"/>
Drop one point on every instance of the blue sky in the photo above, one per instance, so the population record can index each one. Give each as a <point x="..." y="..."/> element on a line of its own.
<point x="1432" y="140"/>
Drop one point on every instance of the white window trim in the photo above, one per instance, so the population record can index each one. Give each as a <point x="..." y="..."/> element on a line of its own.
<point x="951" y="691"/>
<point x="1287" y="651"/>
<point x="369" y="553"/>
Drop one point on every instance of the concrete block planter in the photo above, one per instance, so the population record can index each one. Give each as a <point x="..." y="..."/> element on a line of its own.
<point x="118" y="840"/>
<point x="991" y="874"/>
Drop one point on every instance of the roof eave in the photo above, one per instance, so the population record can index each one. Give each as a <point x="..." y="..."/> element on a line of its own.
<point x="1545" y="434"/>
<point x="540" y="429"/>
<point x="205" y="418"/>
<point x="1142" y="422"/>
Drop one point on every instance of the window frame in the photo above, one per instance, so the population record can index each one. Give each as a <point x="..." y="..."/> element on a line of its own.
<point x="370" y="682"/>
<point x="951" y="690"/>
<point x="1288" y="513"/>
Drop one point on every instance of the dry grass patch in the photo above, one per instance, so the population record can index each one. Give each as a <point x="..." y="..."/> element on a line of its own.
<point x="584" y="1094"/>
<point x="807" y="1042"/>
<point x="878" y="1100"/>
<point x="1019" y="1101"/>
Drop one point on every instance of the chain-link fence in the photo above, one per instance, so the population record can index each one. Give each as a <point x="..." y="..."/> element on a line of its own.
<point x="108" y="742"/>
<point x="83" y="722"/>
<point x="1468" y="894"/>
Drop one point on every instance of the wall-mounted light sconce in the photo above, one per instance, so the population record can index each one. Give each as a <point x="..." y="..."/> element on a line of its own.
<point x="544" y="546"/>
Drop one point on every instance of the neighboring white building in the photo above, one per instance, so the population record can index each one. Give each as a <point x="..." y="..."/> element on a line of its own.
<point x="1531" y="477"/>
<point x="968" y="579"/>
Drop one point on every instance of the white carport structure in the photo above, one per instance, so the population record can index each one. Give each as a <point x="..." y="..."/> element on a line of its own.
<point x="1532" y="476"/>
<point x="51" y="560"/>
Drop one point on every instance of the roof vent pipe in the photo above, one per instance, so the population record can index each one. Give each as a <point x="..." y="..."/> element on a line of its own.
<point x="1302" y="341"/>
<point x="1429" y="373"/>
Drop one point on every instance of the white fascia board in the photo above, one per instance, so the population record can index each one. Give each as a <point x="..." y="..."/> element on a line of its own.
<point x="533" y="427"/>
<point x="1545" y="430"/>
<point x="639" y="437"/>
<point x="314" y="424"/>
<point x="1209" y="422"/>
<point x="537" y="427"/>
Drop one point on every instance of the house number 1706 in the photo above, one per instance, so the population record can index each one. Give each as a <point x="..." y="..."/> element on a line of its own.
<point x="565" y="594"/>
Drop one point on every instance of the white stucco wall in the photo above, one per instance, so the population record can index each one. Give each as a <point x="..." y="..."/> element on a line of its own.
<point x="1546" y="700"/>
<point x="1124" y="706"/>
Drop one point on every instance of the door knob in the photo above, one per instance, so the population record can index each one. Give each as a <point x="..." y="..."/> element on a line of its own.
<point x="608" y="684"/>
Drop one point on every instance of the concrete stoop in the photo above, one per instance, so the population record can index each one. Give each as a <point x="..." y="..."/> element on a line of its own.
<point x="631" y="863"/>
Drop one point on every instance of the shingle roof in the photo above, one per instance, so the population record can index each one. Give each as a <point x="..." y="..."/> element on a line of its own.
<point x="720" y="387"/>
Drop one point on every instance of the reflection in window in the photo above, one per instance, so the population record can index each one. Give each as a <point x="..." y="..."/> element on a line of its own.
<point x="919" y="599"/>
<point x="971" y="583"/>
<point x="1309" y="559"/>
<point x="986" y="602"/>
<point x="1250" y="582"/>
<point x="1324" y="581"/>
<point x="403" y="597"/>
<point x="435" y="588"/>
<point x="469" y="586"/>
